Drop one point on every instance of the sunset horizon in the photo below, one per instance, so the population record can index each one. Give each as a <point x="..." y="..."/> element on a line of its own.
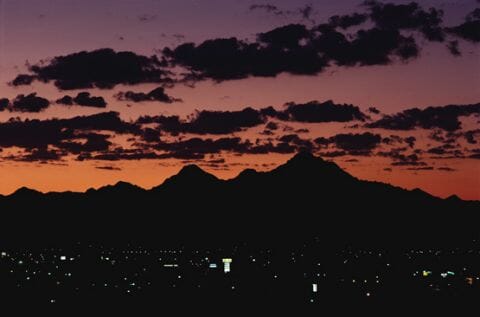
<point x="420" y="117"/>
<point x="213" y="171"/>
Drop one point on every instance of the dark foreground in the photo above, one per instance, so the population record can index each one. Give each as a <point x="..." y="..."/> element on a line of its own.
<point x="308" y="278"/>
<point x="378" y="247"/>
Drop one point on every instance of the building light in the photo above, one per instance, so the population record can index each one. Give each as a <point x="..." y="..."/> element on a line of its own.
<point x="314" y="287"/>
<point x="226" y="264"/>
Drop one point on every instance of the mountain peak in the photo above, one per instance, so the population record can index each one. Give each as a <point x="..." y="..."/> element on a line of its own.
<point x="119" y="187"/>
<point x="26" y="191"/>
<point x="189" y="176"/>
<point x="453" y="198"/>
<point x="193" y="172"/>
<point x="305" y="164"/>
<point x="304" y="157"/>
<point x="124" y="184"/>
<point x="192" y="169"/>
<point x="306" y="160"/>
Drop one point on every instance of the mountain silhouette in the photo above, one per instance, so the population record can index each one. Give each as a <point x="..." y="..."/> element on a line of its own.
<point x="120" y="188"/>
<point x="25" y="192"/>
<point x="305" y="197"/>
<point x="190" y="177"/>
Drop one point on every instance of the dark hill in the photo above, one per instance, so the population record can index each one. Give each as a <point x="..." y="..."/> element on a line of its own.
<point x="305" y="197"/>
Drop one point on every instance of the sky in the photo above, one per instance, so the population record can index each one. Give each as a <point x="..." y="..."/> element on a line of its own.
<point x="390" y="90"/>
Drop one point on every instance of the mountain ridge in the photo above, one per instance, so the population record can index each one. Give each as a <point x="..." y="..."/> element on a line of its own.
<point x="305" y="197"/>
<point x="301" y="162"/>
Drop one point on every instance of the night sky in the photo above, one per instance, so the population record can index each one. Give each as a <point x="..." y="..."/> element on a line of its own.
<point x="389" y="99"/>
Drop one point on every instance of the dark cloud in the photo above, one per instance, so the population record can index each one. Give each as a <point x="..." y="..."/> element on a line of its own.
<point x="4" y="102"/>
<point x="83" y="99"/>
<point x="400" y="158"/>
<point x="198" y="146"/>
<point x="29" y="103"/>
<point x="410" y="141"/>
<point x="224" y="122"/>
<point x="407" y="17"/>
<point x="392" y="139"/>
<point x="373" y="110"/>
<point x="445" y="118"/>
<point x="306" y="12"/>
<point x="65" y="100"/>
<point x="397" y="140"/>
<point x="22" y="80"/>
<point x="327" y="111"/>
<point x="157" y="94"/>
<point x="385" y="33"/>
<point x="41" y="155"/>
<point x="267" y="132"/>
<point x="476" y="153"/>
<point x="443" y="136"/>
<point x="420" y="168"/>
<point x="271" y="126"/>
<point x="108" y="168"/>
<point x="297" y="141"/>
<point x="302" y="130"/>
<point x="471" y="136"/>
<point x="377" y="47"/>
<point x="209" y="122"/>
<point x="94" y="142"/>
<point x="269" y="147"/>
<point x="453" y="48"/>
<point x="357" y="142"/>
<point x="285" y="37"/>
<point x="443" y="149"/>
<point x="151" y="135"/>
<point x="333" y="154"/>
<point x="190" y="149"/>
<point x="347" y="21"/>
<point x="323" y="141"/>
<point x="146" y="17"/>
<point x="352" y="144"/>
<point x="269" y="129"/>
<point x="270" y="8"/>
<point x="453" y="137"/>
<point x="63" y="133"/>
<point x="298" y="49"/>
<point x="275" y="52"/>
<point x="216" y="161"/>
<point x="470" y="29"/>
<point x="453" y="154"/>
<point x="446" y="169"/>
<point x="409" y="163"/>
<point x="118" y="154"/>
<point x="291" y="49"/>
<point x="103" y="68"/>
